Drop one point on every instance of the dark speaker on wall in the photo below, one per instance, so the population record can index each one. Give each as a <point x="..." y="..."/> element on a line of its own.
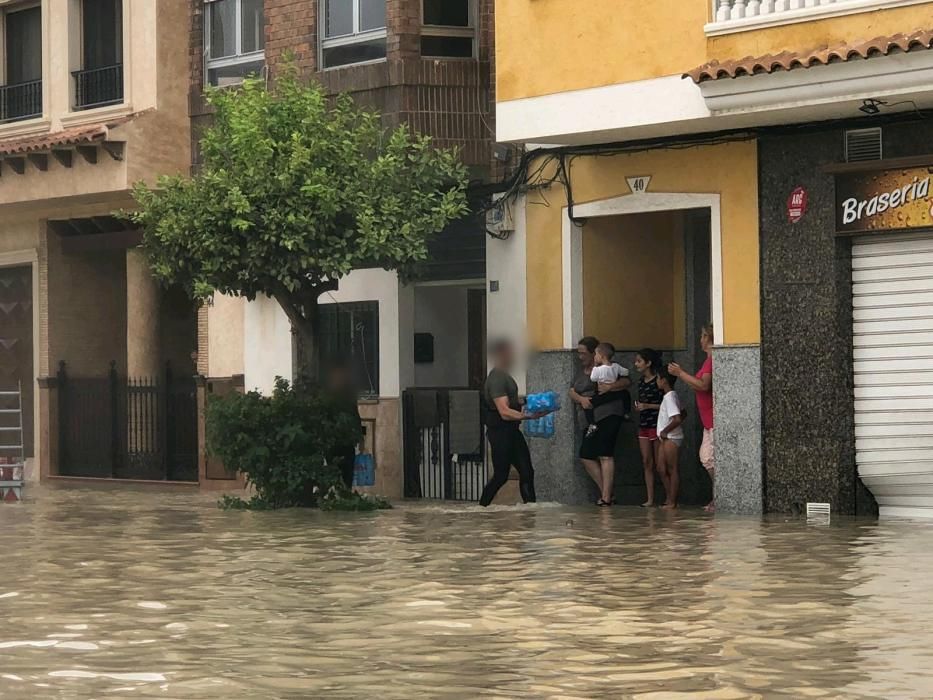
<point x="424" y="348"/>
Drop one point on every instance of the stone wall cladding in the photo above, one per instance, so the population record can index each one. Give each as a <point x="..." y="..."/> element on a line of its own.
<point x="806" y="343"/>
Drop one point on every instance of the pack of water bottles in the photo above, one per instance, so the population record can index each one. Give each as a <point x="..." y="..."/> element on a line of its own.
<point x="544" y="401"/>
<point x="537" y="403"/>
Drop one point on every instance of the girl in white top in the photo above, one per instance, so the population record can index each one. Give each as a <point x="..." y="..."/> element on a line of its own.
<point x="671" y="435"/>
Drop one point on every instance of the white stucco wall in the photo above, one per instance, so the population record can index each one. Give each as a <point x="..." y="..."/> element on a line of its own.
<point x="507" y="308"/>
<point x="442" y="311"/>
<point x="268" y="343"/>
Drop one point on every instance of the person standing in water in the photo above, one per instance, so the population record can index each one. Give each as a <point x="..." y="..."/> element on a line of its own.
<point x="702" y="385"/>
<point x="503" y="417"/>
<point x="647" y="364"/>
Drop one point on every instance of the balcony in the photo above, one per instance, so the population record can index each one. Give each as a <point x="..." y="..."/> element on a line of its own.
<point x="730" y="16"/>
<point x="98" y="87"/>
<point x="20" y="101"/>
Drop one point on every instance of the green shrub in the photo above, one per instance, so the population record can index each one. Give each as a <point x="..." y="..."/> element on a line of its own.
<point x="286" y="446"/>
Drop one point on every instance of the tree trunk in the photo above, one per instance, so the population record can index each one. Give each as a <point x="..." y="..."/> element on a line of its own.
<point x="306" y="350"/>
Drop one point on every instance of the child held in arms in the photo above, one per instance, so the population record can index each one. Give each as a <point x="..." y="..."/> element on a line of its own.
<point x="671" y="435"/>
<point x="605" y="372"/>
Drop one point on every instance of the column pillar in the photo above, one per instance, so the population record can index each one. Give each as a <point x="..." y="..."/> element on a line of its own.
<point x="143" y="298"/>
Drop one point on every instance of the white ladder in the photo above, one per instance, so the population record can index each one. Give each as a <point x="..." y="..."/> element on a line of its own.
<point x="12" y="456"/>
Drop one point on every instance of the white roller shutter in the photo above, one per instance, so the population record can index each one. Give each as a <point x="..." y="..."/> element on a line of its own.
<point x="892" y="297"/>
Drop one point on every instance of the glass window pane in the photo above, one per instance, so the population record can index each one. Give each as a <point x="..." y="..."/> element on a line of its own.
<point x="233" y="75"/>
<point x="102" y="26"/>
<point x="447" y="13"/>
<point x="253" y="27"/>
<point x="223" y="28"/>
<point x="355" y="53"/>
<point x="23" y="46"/>
<point x="338" y="17"/>
<point x="372" y="14"/>
<point x="447" y="46"/>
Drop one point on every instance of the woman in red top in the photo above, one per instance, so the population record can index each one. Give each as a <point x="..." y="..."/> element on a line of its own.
<point x="702" y="384"/>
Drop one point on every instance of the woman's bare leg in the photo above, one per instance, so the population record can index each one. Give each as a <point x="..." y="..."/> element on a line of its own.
<point x="608" y="465"/>
<point x="596" y="474"/>
<point x="648" y="462"/>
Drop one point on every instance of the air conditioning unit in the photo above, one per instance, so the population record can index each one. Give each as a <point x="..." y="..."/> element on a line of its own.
<point x="499" y="221"/>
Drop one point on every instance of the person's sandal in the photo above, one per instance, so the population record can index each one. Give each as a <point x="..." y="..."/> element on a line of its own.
<point x="603" y="504"/>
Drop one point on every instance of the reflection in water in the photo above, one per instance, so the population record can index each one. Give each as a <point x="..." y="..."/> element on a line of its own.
<point x="127" y="594"/>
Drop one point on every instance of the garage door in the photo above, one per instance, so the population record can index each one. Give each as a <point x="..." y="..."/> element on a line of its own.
<point x="892" y="297"/>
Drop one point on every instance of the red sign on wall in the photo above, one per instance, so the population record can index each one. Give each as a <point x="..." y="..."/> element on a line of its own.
<point x="797" y="205"/>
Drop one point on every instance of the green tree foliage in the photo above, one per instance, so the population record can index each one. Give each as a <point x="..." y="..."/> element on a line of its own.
<point x="296" y="191"/>
<point x="286" y="445"/>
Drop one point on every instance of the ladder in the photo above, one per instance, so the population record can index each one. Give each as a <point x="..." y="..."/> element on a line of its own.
<point x="12" y="446"/>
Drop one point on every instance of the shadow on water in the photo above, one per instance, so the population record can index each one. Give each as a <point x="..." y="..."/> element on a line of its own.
<point x="148" y="595"/>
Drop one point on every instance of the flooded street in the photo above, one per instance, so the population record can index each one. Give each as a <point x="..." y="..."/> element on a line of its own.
<point x="130" y="594"/>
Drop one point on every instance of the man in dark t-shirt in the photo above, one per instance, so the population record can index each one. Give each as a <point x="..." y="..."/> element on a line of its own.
<point x="503" y="417"/>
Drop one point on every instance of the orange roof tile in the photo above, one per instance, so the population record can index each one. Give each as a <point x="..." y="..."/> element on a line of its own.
<point x="822" y="56"/>
<point x="61" y="139"/>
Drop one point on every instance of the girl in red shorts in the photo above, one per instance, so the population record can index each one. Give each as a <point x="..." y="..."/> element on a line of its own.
<point x="647" y="363"/>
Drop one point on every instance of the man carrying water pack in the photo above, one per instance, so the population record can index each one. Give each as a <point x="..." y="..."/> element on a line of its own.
<point x="503" y="416"/>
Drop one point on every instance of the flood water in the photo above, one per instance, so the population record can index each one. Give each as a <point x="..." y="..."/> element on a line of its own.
<point x="135" y="594"/>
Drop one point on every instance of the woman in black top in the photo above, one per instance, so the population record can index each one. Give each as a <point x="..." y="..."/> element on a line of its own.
<point x="647" y="362"/>
<point x="503" y="417"/>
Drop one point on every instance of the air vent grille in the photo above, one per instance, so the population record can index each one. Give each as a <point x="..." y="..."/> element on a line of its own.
<point x="863" y="144"/>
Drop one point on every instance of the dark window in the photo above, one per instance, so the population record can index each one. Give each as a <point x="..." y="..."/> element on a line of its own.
<point x="21" y="96"/>
<point x="447" y="13"/>
<point x="23" y="46"/>
<point x="351" y="332"/>
<point x="102" y="32"/>
<point x="347" y="54"/>
<point x="447" y="46"/>
<point x="100" y="81"/>
<point x="448" y="28"/>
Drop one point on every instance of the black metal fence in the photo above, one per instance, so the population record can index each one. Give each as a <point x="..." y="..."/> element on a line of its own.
<point x="445" y="454"/>
<point x="20" y="101"/>
<point x="99" y="86"/>
<point x="128" y="427"/>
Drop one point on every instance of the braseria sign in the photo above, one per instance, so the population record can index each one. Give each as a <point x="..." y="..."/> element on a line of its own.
<point x="886" y="200"/>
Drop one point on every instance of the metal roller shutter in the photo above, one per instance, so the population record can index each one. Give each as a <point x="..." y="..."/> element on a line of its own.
<point x="892" y="298"/>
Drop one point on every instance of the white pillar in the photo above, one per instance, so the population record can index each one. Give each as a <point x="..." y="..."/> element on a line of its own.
<point x="143" y="331"/>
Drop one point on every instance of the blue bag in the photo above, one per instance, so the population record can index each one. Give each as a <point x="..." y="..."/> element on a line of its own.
<point x="364" y="470"/>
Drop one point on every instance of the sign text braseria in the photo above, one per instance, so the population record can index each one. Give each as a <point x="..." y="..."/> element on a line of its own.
<point x="853" y="209"/>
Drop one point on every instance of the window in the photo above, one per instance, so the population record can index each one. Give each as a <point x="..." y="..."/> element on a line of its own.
<point x="449" y="28"/>
<point x="353" y="31"/>
<point x="234" y="40"/>
<point x="351" y="332"/>
<point x="100" y="80"/>
<point x="21" y="93"/>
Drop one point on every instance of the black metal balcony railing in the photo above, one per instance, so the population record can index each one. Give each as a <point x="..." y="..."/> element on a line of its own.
<point x="20" y="101"/>
<point x="98" y="87"/>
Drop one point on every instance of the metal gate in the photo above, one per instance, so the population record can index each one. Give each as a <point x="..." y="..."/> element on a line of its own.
<point x="128" y="427"/>
<point x="444" y="444"/>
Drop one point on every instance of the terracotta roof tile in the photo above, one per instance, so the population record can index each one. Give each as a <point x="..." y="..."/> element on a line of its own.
<point x="822" y="56"/>
<point x="58" y="139"/>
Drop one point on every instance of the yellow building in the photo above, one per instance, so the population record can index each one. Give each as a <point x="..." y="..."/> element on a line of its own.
<point x="634" y="213"/>
<point x="93" y="98"/>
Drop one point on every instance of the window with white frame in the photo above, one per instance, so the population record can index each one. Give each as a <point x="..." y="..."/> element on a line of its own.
<point x="352" y="31"/>
<point x="234" y="40"/>
<point x="448" y="28"/>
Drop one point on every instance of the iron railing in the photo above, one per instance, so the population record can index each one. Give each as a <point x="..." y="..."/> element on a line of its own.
<point x="130" y="428"/>
<point x="98" y="87"/>
<point x="431" y="468"/>
<point x="20" y="101"/>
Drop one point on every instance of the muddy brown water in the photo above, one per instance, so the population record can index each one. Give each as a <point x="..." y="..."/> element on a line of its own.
<point x="130" y="594"/>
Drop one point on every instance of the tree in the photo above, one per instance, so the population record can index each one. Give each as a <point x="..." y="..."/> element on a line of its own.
<point x="296" y="191"/>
